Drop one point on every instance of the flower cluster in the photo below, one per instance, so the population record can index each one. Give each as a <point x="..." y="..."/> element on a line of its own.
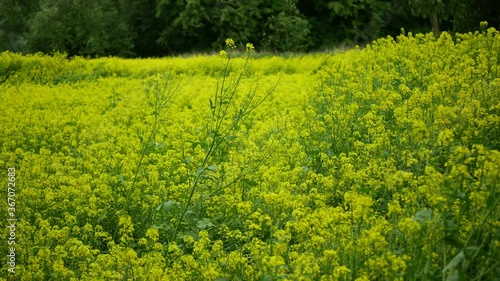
<point x="374" y="164"/>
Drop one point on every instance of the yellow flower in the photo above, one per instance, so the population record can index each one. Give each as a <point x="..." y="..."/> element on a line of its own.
<point x="445" y="137"/>
<point x="174" y="249"/>
<point x="230" y="43"/>
<point x="223" y="54"/>
<point x="394" y="208"/>
<point x="250" y="48"/>
<point x="340" y="271"/>
<point x="126" y="228"/>
<point x="143" y="242"/>
<point x="158" y="247"/>
<point x="273" y="263"/>
<point x="409" y="226"/>
<point x="152" y="233"/>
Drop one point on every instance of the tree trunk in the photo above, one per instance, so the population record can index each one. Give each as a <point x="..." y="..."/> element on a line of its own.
<point x="434" y="23"/>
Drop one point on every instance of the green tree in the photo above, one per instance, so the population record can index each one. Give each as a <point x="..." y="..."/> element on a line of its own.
<point x="363" y="20"/>
<point x="434" y="9"/>
<point x="465" y="15"/>
<point x="456" y="15"/>
<point x="200" y="25"/>
<point x="178" y="34"/>
<point x="78" y="27"/>
<point x="13" y="23"/>
<point x="286" y="28"/>
<point x="144" y="25"/>
<point x="240" y="20"/>
<point x="401" y="16"/>
<point x="352" y="21"/>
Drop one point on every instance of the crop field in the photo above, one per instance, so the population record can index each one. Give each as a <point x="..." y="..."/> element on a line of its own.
<point x="381" y="163"/>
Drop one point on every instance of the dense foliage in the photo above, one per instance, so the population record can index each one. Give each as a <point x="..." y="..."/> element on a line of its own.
<point x="374" y="164"/>
<point x="146" y="28"/>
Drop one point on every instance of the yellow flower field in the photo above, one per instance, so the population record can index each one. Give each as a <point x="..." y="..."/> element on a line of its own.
<point x="373" y="164"/>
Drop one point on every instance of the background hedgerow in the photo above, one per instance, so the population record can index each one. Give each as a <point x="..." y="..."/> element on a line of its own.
<point x="373" y="164"/>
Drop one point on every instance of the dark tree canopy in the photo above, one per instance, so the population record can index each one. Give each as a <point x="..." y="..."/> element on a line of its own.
<point x="133" y="28"/>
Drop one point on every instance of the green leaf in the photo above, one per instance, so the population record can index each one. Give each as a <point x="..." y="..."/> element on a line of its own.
<point x="159" y="145"/>
<point x="451" y="233"/>
<point x="451" y="269"/>
<point x="199" y="171"/>
<point x="166" y="206"/>
<point x="204" y="223"/>
<point x="267" y="277"/>
<point x="162" y="226"/>
<point x="212" y="168"/>
<point x="461" y="195"/>
<point x="195" y="144"/>
<point x="453" y="276"/>
<point x="423" y="216"/>
<point x="449" y="223"/>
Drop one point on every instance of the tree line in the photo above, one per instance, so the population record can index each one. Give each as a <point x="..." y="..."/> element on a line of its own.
<point x="152" y="28"/>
